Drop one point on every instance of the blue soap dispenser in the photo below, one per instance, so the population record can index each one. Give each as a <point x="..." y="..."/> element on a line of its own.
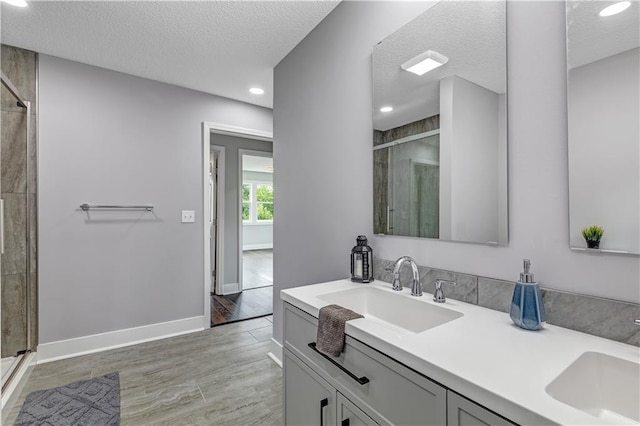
<point x="527" y="306"/>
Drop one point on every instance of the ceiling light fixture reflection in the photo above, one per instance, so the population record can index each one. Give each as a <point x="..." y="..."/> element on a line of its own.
<point x="425" y="62"/>
<point x="386" y="109"/>
<point x="615" y="8"/>
<point x="256" y="91"/>
<point x="17" y="3"/>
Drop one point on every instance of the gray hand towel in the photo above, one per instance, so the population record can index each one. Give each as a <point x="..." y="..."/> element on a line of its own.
<point x="331" y="320"/>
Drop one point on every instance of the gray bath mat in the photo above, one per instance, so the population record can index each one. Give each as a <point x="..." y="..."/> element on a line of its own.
<point x="94" y="402"/>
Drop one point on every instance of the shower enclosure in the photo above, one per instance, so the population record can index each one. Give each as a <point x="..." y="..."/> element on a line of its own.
<point x="413" y="186"/>
<point x="18" y="276"/>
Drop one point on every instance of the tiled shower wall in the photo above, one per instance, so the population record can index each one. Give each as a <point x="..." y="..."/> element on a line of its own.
<point x="606" y="318"/>
<point x="18" y="188"/>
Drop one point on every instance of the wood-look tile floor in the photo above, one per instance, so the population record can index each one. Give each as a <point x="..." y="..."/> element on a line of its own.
<point x="220" y="376"/>
<point x="257" y="268"/>
<point x="252" y="303"/>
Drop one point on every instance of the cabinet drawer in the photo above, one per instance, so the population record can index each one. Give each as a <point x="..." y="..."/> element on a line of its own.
<point x="394" y="394"/>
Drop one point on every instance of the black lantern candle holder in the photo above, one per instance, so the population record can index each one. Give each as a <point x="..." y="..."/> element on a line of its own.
<point x="361" y="261"/>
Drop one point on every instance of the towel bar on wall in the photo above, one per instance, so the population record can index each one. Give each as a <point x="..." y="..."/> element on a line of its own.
<point x="87" y="206"/>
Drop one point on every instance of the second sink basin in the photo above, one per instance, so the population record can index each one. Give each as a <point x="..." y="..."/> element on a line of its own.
<point x="401" y="311"/>
<point x="604" y="386"/>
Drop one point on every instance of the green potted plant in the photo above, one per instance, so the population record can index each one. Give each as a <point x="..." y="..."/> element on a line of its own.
<point x="592" y="235"/>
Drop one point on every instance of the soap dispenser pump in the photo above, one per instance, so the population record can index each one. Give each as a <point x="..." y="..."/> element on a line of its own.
<point x="527" y="306"/>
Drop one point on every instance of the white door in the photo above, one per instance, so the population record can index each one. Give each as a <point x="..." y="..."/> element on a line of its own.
<point x="213" y="216"/>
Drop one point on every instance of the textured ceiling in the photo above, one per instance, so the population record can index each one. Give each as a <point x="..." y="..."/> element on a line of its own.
<point x="592" y="37"/>
<point x="217" y="47"/>
<point x="472" y="34"/>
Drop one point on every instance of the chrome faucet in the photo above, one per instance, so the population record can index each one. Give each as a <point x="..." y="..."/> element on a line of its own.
<point x="438" y="295"/>
<point x="416" y="288"/>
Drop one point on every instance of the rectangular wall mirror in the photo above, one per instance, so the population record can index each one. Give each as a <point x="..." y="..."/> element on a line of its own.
<point x="440" y="139"/>
<point x="603" y="68"/>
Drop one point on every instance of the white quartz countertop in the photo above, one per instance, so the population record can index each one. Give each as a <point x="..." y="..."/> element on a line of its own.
<point x="481" y="355"/>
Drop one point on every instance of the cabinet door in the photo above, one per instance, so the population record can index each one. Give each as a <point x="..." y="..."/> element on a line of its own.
<point x="463" y="412"/>
<point x="308" y="399"/>
<point x="350" y="415"/>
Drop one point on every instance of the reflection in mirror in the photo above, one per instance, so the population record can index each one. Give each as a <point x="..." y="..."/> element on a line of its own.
<point x="604" y="124"/>
<point x="440" y="143"/>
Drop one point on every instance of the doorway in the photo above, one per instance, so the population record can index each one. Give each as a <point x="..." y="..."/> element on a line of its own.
<point x="226" y="298"/>
<point x="256" y="211"/>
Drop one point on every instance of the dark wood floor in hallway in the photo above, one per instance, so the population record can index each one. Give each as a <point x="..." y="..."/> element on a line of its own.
<point x="252" y="303"/>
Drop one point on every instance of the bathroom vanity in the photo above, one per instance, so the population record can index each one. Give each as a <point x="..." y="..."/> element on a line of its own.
<point x="411" y="361"/>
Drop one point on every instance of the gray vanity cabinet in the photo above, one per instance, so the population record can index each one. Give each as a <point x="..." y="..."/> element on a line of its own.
<point x="390" y="394"/>
<point x="463" y="412"/>
<point x="364" y="386"/>
<point x="350" y="415"/>
<point x="310" y="400"/>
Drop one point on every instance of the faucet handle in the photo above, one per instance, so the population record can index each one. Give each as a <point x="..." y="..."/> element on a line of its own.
<point x="438" y="295"/>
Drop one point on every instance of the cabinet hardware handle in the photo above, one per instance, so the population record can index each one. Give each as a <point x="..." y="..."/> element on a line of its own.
<point x="345" y="422"/>
<point x="362" y="380"/>
<point x="323" y="404"/>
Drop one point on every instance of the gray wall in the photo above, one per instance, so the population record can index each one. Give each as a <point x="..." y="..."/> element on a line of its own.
<point x="468" y="161"/>
<point x="107" y="137"/>
<point x="232" y="197"/>
<point x="604" y="150"/>
<point x="322" y="146"/>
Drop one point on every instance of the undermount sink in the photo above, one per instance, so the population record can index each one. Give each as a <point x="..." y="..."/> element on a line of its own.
<point x="401" y="311"/>
<point x="604" y="386"/>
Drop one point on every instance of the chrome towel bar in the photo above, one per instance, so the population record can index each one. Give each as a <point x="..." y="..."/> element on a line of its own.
<point x="87" y="206"/>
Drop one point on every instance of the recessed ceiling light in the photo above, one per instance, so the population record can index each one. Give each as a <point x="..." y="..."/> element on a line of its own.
<point x="256" y="91"/>
<point x="615" y="8"/>
<point x="386" y="109"/>
<point x="425" y="62"/>
<point x="17" y="3"/>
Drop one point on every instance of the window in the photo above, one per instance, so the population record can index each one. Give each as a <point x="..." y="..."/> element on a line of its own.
<point x="246" y="202"/>
<point x="257" y="202"/>
<point x="264" y="202"/>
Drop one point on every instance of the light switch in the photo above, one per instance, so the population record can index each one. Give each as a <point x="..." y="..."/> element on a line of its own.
<point x="188" y="216"/>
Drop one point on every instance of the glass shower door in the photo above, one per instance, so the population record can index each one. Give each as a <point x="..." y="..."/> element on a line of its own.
<point x="17" y="180"/>
<point x="414" y="187"/>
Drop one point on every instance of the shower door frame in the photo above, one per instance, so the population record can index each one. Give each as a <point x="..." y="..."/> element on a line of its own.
<point x="22" y="102"/>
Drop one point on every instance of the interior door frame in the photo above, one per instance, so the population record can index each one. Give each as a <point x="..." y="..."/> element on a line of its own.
<point x="242" y="152"/>
<point x="220" y="182"/>
<point x="209" y="128"/>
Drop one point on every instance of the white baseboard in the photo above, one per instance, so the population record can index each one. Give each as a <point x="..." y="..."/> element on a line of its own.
<point x="276" y="352"/>
<point x="10" y="395"/>
<point x="231" y="288"/>
<point x="53" y="351"/>
<point x="257" y="247"/>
